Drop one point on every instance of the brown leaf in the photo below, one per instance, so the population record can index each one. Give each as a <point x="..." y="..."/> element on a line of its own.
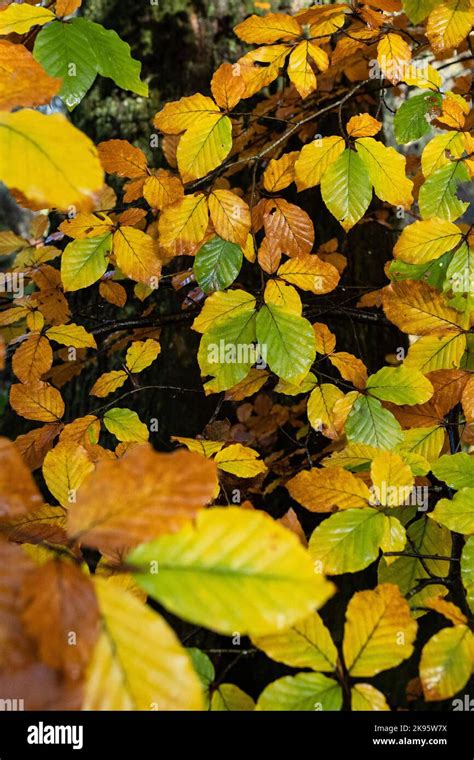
<point x="140" y="496"/>
<point x="61" y="615"/>
<point x="18" y="491"/>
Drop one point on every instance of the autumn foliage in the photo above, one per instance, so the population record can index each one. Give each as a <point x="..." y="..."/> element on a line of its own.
<point x="323" y="520"/>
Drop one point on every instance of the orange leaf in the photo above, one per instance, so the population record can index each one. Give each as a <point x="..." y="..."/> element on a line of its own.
<point x="60" y="603"/>
<point x="119" y="157"/>
<point x="24" y="82"/>
<point x="227" y="86"/>
<point x="37" y="401"/>
<point x="139" y="497"/>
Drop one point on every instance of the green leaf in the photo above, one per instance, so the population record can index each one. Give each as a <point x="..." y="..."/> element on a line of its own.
<point x="432" y="272"/>
<point x="417" y="10"/>
<point x="231" y="570"/>
<point x="202" y="665"/>
<point x="308" y="692"/>
<point x="287" y="340"/>
<point x="460" y="279"/>
<point x="456" y="514"/>
<point x="85" y="261"/>
<point x="64" y="51"/>
<point x="204" y="669"/>
<point x="227" y="352"/>
<point x="346" y="189"/>
<point x="457" y="470"/>
<point x="347" y="541"/>
<point x="125" y="425"/>
<point x="368" y="422"/>
<point x="217" y="264"/>
<point x="400" y="385"/>
<point x="114" y="58"/>
<point x="438" y="193"/>
<point x="424" y="537"/>
<point x="81" y="49"/>
<point x="410" y="121"/>
<point x="467" y="570"/>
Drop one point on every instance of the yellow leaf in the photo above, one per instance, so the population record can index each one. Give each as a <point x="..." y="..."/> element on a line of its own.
<point x="20" y="18"/>
<point x="449" y="610"/>
<point x="435" y="156"/>
<point x="204" y="146"/>
<point x="309" y="272"/>
<point x="436" y="352"/>
<point x="157" y="675"/>
<point x="280" y="172"/>
<point x="393" y="53"/>
<point x="424" y="241"/>
<point x="221" y="305"/>
<point x="307" y="644"/>
<point x="182" y="114"/>
<point x="200" y="446"/>
<point x="161" y="189"/>
<point x="425" y="76"/>
<point x="321" y="409"/>
<point x="64" y="469"/>
<point x="379" y="631"/>
<point x="108" y="383"/>
<point x="85" y="225"/>
<point x="324" y="490"/>
<point x="446" y="663"/>
<point x="37" y="401"/>
<point x="315" y="159"/>
<point x="141" y="354"/>
<point x="365" y="697"/>
<point x="268" y="29"/>
<point x="59" y="167"/>
<point x="418" y="309"/>
<point x="386" y="168"/>
<point x="71" y="335"/>
<point x="323" y="19"/>
<point x="227" y="86"/>
<point x="185" y="222"/>
<point x="449" y="24"/>
<point x="32" y="358"/>
<point x="392" y="480"/>
<point x="24" y="82"/>
<point x="136" y="498"/>
<point x="426" y="442"/>
<point x="252" y="383"/>
<point x="259" y="579"/>
<point x="351" y="368"/>
<point x="136" y="255"/>
<point x="240" y="460"/>
<point x="394" y="538"/>
<point x="230" y="216"/>
<point x="230" y="698"/>
<point x="300" y="71"/>
<point x="283" y="295"/>
<point x="126" y="425"/>
<point x="363" y="125"/>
